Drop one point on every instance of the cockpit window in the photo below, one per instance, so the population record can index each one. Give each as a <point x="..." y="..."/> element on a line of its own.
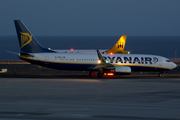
<point x="168" y="61"/>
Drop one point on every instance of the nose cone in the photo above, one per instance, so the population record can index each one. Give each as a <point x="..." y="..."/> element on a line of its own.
<point x="173" y="65"/>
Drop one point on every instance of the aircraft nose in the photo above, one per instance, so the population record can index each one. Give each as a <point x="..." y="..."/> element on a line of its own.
<point x="173" y="65"/>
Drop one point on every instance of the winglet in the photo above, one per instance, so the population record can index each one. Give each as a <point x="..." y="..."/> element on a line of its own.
<point x="119" y="46"/>
<point x="103" y="63"/>
<point x="100" y="57"/>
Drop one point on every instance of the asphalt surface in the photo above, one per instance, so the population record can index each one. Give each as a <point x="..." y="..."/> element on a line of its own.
<point x="31" y="92"/>
<point x="90" y="99"/>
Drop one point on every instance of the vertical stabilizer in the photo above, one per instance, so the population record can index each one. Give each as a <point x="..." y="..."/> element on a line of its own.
<point x="119" y="46"/>
<point x="27" y="41"/>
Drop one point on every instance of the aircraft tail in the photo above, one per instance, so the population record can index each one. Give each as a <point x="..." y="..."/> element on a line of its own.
<point x="27" y="41"/>
<point x="119" y="46"/>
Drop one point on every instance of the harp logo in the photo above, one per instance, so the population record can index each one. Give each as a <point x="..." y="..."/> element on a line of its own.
<point x="26" y="38"/>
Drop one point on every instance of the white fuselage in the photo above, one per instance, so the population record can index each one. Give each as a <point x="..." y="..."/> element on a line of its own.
<point x="89" y="61"/>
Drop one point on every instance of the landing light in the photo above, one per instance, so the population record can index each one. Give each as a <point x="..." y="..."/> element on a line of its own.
<point x="128" y="52"/>
<point x="99" y="61"/>
<point x="109" y="74"/>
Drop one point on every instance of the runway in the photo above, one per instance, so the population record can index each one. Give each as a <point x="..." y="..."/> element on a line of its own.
<point x="90" y="99"/>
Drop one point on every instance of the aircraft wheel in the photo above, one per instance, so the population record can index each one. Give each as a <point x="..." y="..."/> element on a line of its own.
<point x="92" y="73"/>
<point x="100" y="75"/>
<point x="159" y="75"/>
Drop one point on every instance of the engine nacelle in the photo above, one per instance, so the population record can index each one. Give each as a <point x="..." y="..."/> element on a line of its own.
<point x="122" y="70"/>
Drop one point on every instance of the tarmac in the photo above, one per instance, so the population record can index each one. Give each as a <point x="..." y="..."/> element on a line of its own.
<point x="99" y="99"/>
<point x="46" y="95"/>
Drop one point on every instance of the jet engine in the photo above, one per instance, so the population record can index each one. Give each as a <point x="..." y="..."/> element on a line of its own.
<point x="122" y="70"/>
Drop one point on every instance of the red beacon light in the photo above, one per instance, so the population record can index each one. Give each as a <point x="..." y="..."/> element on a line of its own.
<point x="111" y="53"/>
<point x="72" y="49"/>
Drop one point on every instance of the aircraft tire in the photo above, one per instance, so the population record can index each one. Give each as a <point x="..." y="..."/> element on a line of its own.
<point x="92" y="73"/>
<point x="159" y="75"/>
<point x="100" y="75"/>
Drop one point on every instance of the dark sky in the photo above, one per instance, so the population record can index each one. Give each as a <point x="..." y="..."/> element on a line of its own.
<point x="92" y="17"/>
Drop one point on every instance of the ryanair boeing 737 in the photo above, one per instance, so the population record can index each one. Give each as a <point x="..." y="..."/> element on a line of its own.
<point x="119" y="64"/>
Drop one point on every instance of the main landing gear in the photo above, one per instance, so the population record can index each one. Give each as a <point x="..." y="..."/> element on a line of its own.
<point x="102" y="73"/>
<point x="92" y="73"/>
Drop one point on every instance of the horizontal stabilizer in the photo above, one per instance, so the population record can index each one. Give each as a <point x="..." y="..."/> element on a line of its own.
<point x="26" y="54"/>
<point x="11" y="52"/>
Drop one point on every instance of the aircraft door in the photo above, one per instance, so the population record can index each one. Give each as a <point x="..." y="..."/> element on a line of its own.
<point x="160" y="62"/>
<point x="46" y="59"/>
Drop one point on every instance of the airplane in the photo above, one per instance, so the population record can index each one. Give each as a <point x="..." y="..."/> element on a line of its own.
<point x="105" y="65"/>
<point x="118" y="48"/>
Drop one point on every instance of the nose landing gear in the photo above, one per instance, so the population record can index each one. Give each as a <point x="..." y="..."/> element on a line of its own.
<point x="162" y="72"/>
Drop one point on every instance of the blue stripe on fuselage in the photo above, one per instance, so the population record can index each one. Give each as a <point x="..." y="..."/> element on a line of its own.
<point x="63" y="66"/>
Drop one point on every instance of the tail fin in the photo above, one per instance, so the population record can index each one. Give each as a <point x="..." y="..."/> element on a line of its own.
<point x="27" y="41"/>
<point x="119" y="46"/>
